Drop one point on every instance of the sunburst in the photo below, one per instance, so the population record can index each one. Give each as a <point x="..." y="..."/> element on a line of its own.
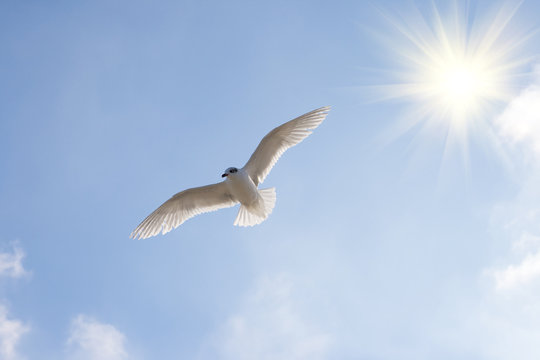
<point x="454" y="68"/>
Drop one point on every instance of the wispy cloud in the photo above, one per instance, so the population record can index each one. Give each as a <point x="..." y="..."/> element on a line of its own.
<point x="92" y="340"/>
<point x="517" y="275"/>
<point x="519" y="126"/>
<point x="504" y="323"/>
<point x="11" y="263"/>
<point x="270" y="326"/>
<point x="11" y="331"/>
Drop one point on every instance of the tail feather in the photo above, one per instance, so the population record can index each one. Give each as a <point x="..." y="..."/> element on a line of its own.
<point x="269" y="199"/>
<point x="258" y="212"/>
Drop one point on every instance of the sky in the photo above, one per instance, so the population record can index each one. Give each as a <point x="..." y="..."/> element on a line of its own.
<point x="407" y="226"/>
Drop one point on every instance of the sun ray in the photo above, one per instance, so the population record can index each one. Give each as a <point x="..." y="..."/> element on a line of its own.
<point x="456" y="67"/>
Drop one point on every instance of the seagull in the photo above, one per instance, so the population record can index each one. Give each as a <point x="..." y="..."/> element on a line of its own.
<point x="239" y="186"/>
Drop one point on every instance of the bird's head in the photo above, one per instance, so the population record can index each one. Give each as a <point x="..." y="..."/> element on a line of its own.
<point x="229" y="171"/>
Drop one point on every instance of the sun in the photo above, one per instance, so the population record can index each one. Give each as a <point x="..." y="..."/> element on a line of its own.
<point x="461" y="85"/>
<point x="453" y="66"/>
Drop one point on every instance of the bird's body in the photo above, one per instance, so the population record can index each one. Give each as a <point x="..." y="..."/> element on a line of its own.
<point x="242" y="188"/>
<point x="240" y="185"/>
<point x="255" y="205"/>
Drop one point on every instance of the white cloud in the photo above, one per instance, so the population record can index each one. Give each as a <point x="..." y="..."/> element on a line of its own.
<point x="91" y="340"/>
<point x="519" y="124"/>
<point x="525" y="271"/>
<point x="270" y="326"/>
<point x="11" y="331"/>
<point x="518" y="275"/>
<point x="526" y="242"/>
<point x="505" y="322"/>
<point x="11" y="263"/>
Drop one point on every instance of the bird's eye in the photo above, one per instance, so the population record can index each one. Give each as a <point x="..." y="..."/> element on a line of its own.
<point x="233" y="170"/>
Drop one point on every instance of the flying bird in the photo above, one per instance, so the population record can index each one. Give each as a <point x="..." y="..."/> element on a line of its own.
<point x="239" y="186"/>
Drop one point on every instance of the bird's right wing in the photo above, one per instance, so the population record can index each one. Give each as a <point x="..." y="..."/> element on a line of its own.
<point x="183" y="206"/>
<point x="274" y="144"/>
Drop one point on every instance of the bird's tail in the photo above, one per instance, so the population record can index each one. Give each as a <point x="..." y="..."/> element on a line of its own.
<point x="258" y="212"/>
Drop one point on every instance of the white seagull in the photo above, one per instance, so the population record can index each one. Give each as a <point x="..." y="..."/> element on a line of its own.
<point x="240" y="185"/>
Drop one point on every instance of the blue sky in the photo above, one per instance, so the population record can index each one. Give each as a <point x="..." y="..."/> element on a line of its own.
<point x="391" y="237"/>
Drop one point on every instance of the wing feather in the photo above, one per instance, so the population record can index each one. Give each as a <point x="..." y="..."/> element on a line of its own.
<point x="277" y="141"/>
<point x="182" y="207"/>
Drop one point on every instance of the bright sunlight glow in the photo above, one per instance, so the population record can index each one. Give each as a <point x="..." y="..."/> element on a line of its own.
<point x="454" y="68"/>
<point x="460" y="84"/>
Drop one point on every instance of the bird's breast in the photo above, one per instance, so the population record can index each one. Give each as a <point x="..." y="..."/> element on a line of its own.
<point x="242" y="188"/>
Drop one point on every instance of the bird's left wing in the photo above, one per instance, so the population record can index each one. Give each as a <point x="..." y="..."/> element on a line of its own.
<point x="183" y="206"/>
<point x="274" y="144"/>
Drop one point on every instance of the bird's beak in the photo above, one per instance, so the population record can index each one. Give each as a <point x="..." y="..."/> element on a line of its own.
<point x="224" y="175"/>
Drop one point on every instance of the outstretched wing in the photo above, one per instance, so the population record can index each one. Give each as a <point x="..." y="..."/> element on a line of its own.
<point x="274" y="144"/>
<point x="183" y="206"/>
